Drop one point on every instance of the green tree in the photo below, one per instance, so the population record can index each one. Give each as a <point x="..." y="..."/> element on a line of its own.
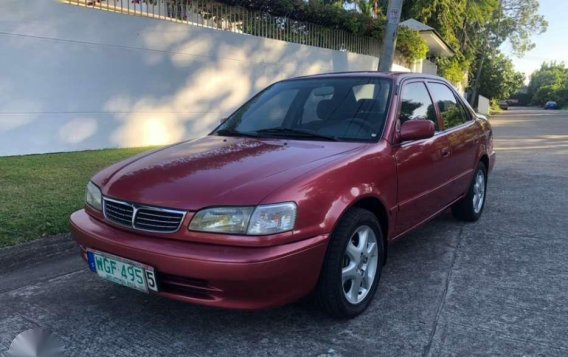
<point x="520" y="23"/>
<point x="411" y="45"/>
<point x="498" y="79"/>
<point x="475" y="28"/>
<point x="460" y="23"/>
<point x="516" y="21"/>
<point x="550" y="82"/>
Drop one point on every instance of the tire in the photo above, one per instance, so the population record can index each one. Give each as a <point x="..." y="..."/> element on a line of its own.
<point x="341" y="262"/>
<point x="469" y="209"/>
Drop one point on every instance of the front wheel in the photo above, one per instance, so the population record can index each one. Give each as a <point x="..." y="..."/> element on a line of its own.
<point x="353" y="265"/>
<point x="469" y="209"/>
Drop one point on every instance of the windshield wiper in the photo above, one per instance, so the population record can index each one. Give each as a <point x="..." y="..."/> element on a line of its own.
<point x="296" y="133"/>
<point x="230" y="132"/>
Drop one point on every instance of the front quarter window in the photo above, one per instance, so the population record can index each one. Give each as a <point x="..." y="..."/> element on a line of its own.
<point x="343" y="109"/>
<point x="416" y="104"/>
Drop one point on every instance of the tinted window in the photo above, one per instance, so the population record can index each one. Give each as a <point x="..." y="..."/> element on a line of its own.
<point x="453" y="113"/>
<point x="416" y="104"/>
<point x="351" y="109"/>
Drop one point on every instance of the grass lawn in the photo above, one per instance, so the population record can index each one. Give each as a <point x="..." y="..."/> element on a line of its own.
<point x="39" y="192"/>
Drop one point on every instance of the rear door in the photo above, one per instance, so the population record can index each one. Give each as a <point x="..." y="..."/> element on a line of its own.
<point x="420" y="164"/>
<point x="461" y="130"/>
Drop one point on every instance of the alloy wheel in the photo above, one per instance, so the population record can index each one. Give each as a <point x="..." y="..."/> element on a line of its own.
<point x="479" y="191"/>
<point x="360" y="261"/>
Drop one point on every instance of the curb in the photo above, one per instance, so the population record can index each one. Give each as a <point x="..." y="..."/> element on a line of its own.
<point x="37" y="251"/>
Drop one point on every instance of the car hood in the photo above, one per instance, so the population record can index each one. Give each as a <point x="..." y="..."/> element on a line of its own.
<point x="215" y="170"/>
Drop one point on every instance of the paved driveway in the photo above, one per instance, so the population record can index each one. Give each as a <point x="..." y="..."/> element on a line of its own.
<point x="497" y="287"/>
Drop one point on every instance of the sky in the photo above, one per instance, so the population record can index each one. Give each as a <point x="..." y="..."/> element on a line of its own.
<point x="551" y="45"/>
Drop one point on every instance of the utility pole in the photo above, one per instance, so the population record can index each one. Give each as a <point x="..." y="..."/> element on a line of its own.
<point x="389" y="40"/>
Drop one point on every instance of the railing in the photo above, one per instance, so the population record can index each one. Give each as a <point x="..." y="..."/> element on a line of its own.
<point x="220" y="16"/>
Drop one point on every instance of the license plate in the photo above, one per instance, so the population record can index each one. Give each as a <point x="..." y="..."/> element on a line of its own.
<point x="123" y="271"/>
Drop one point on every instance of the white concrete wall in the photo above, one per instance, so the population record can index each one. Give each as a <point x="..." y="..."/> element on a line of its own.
<point x="424" y="66"/>
<point x="483" y="105"/>
<point x="74" y="78"/>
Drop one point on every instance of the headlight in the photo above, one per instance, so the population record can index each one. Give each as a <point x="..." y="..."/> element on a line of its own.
<point x="262" y="220"/>
<point x="94" y="196"/>
<point x="272" y="219"/>
<point x="222" y="220"/>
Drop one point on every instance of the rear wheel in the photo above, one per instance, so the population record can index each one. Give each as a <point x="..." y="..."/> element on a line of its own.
<point x="469" y="209"/>
<point x="353" y="265"/>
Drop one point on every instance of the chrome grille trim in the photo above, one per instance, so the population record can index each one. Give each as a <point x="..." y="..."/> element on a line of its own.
<point x="141" y="217"/>
<point x="118" y="212"/>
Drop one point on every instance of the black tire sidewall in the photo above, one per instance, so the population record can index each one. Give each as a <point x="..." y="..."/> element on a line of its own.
<point x="464" y="210"/>
<point x="331" y="284"/>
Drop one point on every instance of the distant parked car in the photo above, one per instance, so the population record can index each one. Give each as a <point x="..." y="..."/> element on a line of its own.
<point x="300" y="190"/>
<point x="551" y="105"/>
<point x="504" y="105"/>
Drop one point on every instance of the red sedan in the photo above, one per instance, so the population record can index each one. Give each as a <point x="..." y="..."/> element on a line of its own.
<point x="299" y="191"/>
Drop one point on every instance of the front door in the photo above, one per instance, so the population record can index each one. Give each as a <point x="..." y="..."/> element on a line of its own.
<point x="422" y="190"/>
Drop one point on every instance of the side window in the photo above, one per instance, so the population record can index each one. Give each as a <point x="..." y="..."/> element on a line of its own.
<point x="452" y="111"/>
<point x="416" y="104"/>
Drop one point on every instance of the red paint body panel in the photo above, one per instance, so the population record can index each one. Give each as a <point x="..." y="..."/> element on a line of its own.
<point x="417" y="130"/>
<point x="412" y="181"/>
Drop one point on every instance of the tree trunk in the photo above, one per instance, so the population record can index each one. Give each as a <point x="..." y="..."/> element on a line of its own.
<point x="485" y="49"/>
<point x="474" y="90"/>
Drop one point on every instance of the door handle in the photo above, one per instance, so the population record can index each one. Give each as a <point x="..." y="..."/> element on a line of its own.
<point x="445" y="152"/>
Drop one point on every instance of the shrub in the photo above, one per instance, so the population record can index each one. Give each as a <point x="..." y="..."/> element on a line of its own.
<point x="411" y="45"/>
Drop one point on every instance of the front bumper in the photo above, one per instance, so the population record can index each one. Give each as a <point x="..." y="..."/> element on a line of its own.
<point x="223" y="276"/>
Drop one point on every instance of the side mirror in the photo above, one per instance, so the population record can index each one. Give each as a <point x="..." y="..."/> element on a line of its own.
<point x="417" y="130"/>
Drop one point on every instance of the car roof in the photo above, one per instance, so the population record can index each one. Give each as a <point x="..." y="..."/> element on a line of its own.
<point x="392" y="75"/>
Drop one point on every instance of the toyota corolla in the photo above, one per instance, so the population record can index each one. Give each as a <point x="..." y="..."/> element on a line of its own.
<point x="300" y="191"/>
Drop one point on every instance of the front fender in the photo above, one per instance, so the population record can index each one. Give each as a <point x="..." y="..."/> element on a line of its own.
<point x="325" y="194"/>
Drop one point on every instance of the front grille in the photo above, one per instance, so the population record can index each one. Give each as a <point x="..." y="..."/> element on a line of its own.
<point x="119" y="212"/>
<point x="144" y="218"/>
<point x="157" y="220"/>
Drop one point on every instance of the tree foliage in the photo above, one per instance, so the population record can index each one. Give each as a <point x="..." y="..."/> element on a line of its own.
<point x="499" y="80"/>
<point x="326" y="13"/>
<point x="550" y="82"/>
<point x="333" y="14"/>
<point x="411" y="45"/>
<point x="475" y="28"/>
<point x="460" y="23"/>
<point x="520" y="23"/>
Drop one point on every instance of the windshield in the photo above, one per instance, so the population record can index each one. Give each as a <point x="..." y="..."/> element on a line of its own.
<point x="342" y="109"/>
